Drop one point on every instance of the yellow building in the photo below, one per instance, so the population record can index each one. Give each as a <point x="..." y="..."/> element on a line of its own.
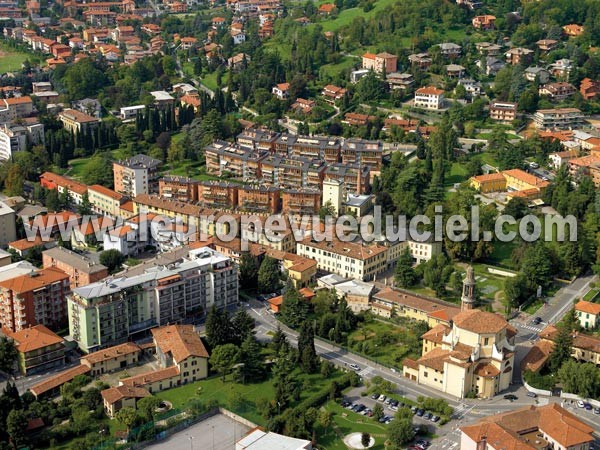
<point x="180" y="353"/>
<point x="473" y="355"/>
<point x="516" y="182"/>
<point x="117" y="398"/>
<point x="105" y="201"/>
<point x="491" y="182"/>
<point x="588" y="314"/>
<point x="112" y="358"/>
<point x="585" y="348"/>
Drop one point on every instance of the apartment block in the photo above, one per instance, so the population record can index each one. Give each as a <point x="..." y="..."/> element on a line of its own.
<point x="217" y="194"/>
<point x="561" y="118"/>
<point x="114" y="311"/>
<point x="429" y="97"/>
<point x="225" y="159"/>
<point x="558" y="91"/>
<point x="356" y="178"/>
<point x="15" y="108"/>
<point x="348" y="259"/>
<point x="50" y="180"/>
<point x="312" y="147"/>
<point x="380" y="63"/>
<point x="255" y="139"/>
<point x="105" y="201"/>
<point x="363" y="153"/>
<point x="503" y="112"/>
<point x="182" y="189"/>
<point x="77" y="122"/>
<point x="39" y="349"/>
<point x="300" y="201"/>
<point x="8" y="226"/>
<point x="16" y="137"/>
<point x="259" y="199"/>
<point x="38" y="297"/>
<point x="136" y="175"/>
<point x="81" y="269"/>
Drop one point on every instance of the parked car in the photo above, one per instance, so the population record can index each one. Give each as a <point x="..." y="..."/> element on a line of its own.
<point x="510" y="397"/>
<point x="532" y="394"/>
<point x="388" y="401"/>
<point x="381" y="398"/>
<point x="413" y="409"/>
<point x="435" y="419"/>
<point x="383" y="419"/>
<point x="423" y="443"/>
<point x="420" y="412"/>
<point x="588" y="407"/>
<point x="596" y="410"/>
<point x="375" y="396"/>
<point x="427" y="415"/>
<point x="580" y="404"/>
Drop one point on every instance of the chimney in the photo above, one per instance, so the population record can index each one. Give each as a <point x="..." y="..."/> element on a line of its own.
<point x="359" y="180"/>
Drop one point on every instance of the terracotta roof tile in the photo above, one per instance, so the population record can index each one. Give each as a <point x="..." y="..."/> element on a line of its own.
<point x="480" y="321"/>
<point x="151" y="377"/>
<point x="181" y="341"/>
<point x="33" y="338"/>
<point x="58" y="380"/>
<point x="111" y="353"/>
<point x="588" y="307"/>
<point x="42" y="278"/>
<point x="114" y="394"/>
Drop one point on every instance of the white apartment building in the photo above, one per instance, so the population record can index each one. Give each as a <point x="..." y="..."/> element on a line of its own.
<point x="15" y="138"/>
<point x="429" y="97"/>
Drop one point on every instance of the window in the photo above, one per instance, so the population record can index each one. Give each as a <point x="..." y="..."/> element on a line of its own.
<point x="486" y="341"/>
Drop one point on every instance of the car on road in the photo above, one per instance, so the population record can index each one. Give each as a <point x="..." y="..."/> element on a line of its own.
<point x="423" y="443"/>
<point x="534" y="165"/>
<point x="354" y="367"/>
<point x="596" y="410"/>
<point x="580" y="404"/>
<point x="537" y="321"/>
<point x="510" y="397"/>
<point x="532" y="394"/>
<point x="588" y="407"/>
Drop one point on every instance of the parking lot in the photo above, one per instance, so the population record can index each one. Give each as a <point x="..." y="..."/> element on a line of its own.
<point x="389" y="410"/>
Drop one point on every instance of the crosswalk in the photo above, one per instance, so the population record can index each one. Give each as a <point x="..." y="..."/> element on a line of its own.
<point x="530" y="328"/>
<point x="449" y="442"/>
<point x="461" y="411"/>
<point x="365" y="372"/>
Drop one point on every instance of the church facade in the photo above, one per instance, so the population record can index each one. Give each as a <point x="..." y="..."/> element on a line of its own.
<point x="473" y="354"/>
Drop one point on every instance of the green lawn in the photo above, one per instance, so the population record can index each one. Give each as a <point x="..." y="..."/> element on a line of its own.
<point x="76" y="167"/>
<point x="346" y="16"/>
<point x="241" y="398"/>
<point x="387" y="343"/>
<point x="335" y="69"/>
<point x="592" y="296"/>
<point x="210" y="81"/>
<point x="346" y="422"/>
<point x="11" y="60"/>
<point x="458" y="174"/>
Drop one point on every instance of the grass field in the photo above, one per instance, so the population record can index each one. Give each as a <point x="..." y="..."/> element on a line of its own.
<point x="240" y="398"/>
<point x="11" y="60"/>
<point x="458" y="174"/>
<point x="387" y="343"/>
<point x="334" y="69"/>
<point x="210" y="81"/>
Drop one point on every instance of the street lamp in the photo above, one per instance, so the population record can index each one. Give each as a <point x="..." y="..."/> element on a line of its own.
<point x="191" y="438"/>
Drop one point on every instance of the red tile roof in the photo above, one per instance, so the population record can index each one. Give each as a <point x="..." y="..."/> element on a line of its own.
<point x="58" y="380"/>
<point x="181" y="341"/>
<point x="40" y="279"/>
<point x="33" y="338"/>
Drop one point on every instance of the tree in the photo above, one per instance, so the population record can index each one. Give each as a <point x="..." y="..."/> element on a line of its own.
<point x="52" y="201"/>
<point x="248" y="271"/>
<point x="378" y="411"/>
<point x="306" y="348"/>
<point x="405" y="273"/>
<point x="98" y="170"/>
<point x="16" y="425"/>
<point x="112" y="259"/>
<point x="293" y="309"/>
<point x="516" y="291"/>
<point x="279" y="340"/>
<point x="400" y="431"/>
<point x="219" y="329"/>
<point x="243" y="326"/>
<point x="147" y="407"/>
<point x="562" y="348"/>
<point x="127" y="416"/>
<point x="268" y="275"/>
<point x="251" y="359"/>
<point x="325" y="418"/>
<point x="8" y="354"/>
<point x="517" y="208"/>
<point x="14" y="180"/>
<point x="223" y="358"/>
<point x="365" y="439"/>
<point x="85" y="207"/>
<point x="327" y="210"/>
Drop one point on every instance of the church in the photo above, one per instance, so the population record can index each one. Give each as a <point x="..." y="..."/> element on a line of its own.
<point x="472" y="355"/>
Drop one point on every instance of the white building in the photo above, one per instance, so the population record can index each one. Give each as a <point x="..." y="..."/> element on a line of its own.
<point x="15" y="138"/>
<point x="261" y="440"/>
<point x="333" y="193"/>
<point x="131" y="112"/>
<point x="8" y="227"/>
<point x="429" y="98"/>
